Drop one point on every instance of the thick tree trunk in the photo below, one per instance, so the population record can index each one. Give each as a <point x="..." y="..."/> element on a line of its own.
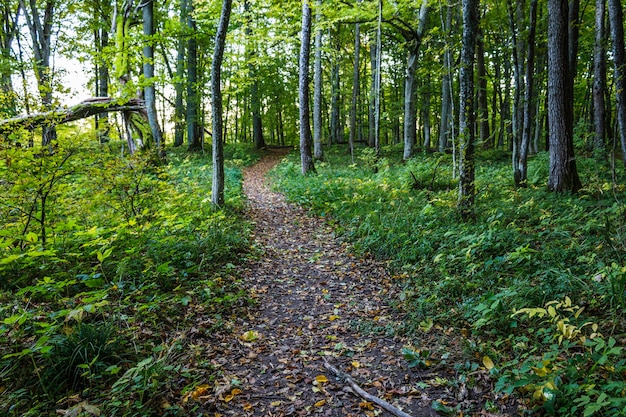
<point x="148" y="73"/>
<point x="355" y="88"/>
<point x="318" y="151"/>
<point x="616" y="16"/>
<point x="599" y="81"/>
<point x="306" y="156"/>
<point x="217" y="189"/>
<point x="467" y="116"/>
<point x="179" y="86"/>
<point x="563" y="174"/>
<point x="520" y="169"/>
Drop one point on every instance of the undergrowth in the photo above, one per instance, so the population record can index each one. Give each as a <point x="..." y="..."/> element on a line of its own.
<point x="527" y="248"/>
<point x="106" y="261"/>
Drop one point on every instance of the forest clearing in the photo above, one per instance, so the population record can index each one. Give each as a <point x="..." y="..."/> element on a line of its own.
<point x="334" y="208"/>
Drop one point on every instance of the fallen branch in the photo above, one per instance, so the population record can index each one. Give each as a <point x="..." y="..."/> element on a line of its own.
<point x="87" y="108"/>
<point x="364" y="394"/>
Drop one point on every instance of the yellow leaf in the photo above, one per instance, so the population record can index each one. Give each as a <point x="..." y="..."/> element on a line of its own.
<point x="540" y="371"/>
<point x="276" y="403"/>
<point x="320" y="403"/>
<point x="355" y="364"/>
<point x="247" y="406"/>
<point x="366" y="405"/>
<point x="228" y="398"/>
<point x="333" y="317"/>
<point x="321" y="378"/>
<point x="236" y="391"/>
<point x="249" y="336"/>
<point x="488" y="363"/>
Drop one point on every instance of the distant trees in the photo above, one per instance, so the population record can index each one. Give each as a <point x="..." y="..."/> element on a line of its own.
<point x="385" y="73"/>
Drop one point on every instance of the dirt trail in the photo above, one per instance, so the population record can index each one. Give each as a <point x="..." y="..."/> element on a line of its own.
<point x="315" y="301"/>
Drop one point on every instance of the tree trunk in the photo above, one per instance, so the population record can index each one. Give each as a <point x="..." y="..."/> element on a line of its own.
<point x="377" y="80"/>
<point x="179" y="86"/>
<point x="7" y="36"/>
<point x="409" y="102"/>
<point x="255" y="99"/>
<point x="41" y="37"/>
<point x="217" y="189"/>
<point x="446" y="88"/>
<point x="194" y="138"/>
<point x="482" y="102"/>
<point x="371" y="137"/>
<point x="336" y="128"/>
<point x="318" y="151"/>
<point x="306" y="156"/>
<point x="102" y="68"/>
<point x="148" y="73"/>
<point x="467" y="116"/>
<point x="563" y="174"/>
<point x="521" y="165"/>
<point x="616" y="17"/>
<point x="599" y="81"/>
<point x="414" y="41"/>
<point x="355" y="88"/>
<point x="87" y="108"/>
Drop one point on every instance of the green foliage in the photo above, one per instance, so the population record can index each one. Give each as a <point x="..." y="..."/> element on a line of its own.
<point x="571" y="369"/>
<point x="527" y="246"/>
<point x="123" y="248"/>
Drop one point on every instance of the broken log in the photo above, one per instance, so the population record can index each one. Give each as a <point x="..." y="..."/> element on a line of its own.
<point x="84" y="109"/>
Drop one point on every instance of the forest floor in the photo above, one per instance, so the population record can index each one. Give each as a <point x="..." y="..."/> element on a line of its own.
<point x="315" y="303"/>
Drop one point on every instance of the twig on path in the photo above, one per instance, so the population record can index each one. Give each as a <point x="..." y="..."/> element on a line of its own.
<point x="361" y="392"/>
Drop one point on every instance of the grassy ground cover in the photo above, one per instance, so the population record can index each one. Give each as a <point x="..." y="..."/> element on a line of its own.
<point x="113" y="273"/>
<point x="535" y="285"/>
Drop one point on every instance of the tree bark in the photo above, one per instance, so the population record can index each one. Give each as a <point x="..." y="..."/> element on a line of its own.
<point x="194" y="137"/>
<point x="446" y="88"/>
<point x="7" y="36"/>
<point x="616" y="17"/>
<point x="41" y="37"/>
<point x="306" y="156"/>
<point x="179" y="85"/>
<point x="318" y="151"/>
<point x="521" y="165"/>
<point x="467" y="116"/>
<point x="336" y="127"/>
<point x="563" y="174"/>
<point x="101" y="12"/>
<point x="481" y="93"/>
<point x="599" y="81"/>
<point x="377" y="78"/>
<point x="148" y="73"/>
<point x="255" y="97"/>
<point x="355" y="89"/>
<point x="414" y="41"/>
<point x="86" y="108"/>
<point x="217" y="189"/>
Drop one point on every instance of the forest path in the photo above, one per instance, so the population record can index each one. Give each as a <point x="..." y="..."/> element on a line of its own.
<point x="315" y="301"/>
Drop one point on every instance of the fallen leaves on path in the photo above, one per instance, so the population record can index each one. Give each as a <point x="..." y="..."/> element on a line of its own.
<point x="312" y="295"/>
